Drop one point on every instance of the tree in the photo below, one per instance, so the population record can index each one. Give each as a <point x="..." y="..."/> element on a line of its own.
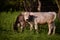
<point x="58" y="4"/>
<point x="28" y="5"/>
<point x="32" y="5"/>
<point x="39" y="5"/>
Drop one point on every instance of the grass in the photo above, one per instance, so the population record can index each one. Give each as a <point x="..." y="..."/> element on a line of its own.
<point x="7" y="20"/>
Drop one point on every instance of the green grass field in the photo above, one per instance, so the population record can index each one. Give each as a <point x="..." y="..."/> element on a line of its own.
<point x="7" y="33"/>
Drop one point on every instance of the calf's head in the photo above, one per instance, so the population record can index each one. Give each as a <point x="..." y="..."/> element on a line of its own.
<point x="26" y="15"/>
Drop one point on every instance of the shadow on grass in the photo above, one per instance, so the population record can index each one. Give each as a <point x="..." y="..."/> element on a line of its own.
<point x="7" y="31"/>
<point x="57" y="23"/>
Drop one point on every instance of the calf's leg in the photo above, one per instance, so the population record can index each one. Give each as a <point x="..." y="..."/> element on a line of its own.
<point x="54" y="27"/>
<point x="36" y="27"/>
<point x="50" y="29"/>
<point x="31" y="26"/>
<point x="22" y="26"/>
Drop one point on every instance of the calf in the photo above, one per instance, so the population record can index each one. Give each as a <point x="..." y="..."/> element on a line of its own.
<point x="19" y="23"/>
<point x="41" y="18"/>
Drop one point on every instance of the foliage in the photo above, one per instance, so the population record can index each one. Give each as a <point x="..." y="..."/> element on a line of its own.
<point x="15" y="5"/>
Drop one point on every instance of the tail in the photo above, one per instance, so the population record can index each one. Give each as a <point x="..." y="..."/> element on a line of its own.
<point x="54" y="15"/>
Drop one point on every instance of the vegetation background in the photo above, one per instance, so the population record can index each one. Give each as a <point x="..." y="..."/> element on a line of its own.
<point x="10" y="9"/>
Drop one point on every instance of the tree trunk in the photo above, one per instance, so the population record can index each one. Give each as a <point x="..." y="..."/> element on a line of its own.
<point x="34" y="5"/>
<point x="39" y="5"/>
<point x="26" y="6"/>
<point x="57" y="1"/>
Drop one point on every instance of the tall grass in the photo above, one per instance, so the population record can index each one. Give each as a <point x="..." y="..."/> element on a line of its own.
<point x="7" y="20"/>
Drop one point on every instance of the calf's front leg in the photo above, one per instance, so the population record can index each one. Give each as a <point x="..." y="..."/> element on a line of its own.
<point x="36" y="28"/>
<point x="31" y="26"/>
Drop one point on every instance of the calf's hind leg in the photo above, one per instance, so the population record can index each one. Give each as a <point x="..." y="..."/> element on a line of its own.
<point x="54" y="27"/>
<point x="50" y="29"/>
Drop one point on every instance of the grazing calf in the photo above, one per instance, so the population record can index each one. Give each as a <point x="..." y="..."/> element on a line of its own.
<point x="34" y="18"/>
<point x="20" y="22"/>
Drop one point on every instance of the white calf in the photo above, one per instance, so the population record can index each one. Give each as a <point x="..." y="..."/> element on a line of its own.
<point x="41" y="18"/>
